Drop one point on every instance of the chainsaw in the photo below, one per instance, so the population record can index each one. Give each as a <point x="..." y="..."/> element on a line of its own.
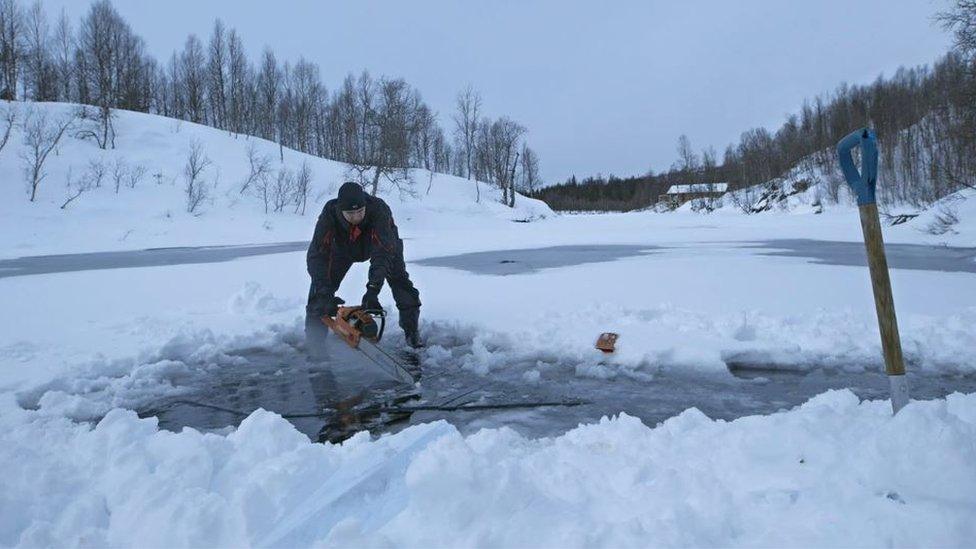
<point x="357" y="326"/>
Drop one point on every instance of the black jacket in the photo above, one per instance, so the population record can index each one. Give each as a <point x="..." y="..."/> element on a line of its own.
<point x="337" y="243"/>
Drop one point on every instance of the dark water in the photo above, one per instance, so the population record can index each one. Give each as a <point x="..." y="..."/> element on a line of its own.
<point x="153" y="257"/>
<point x="502" y="262"/>
<point x="331" y="400"/>
<point x="512" y="262"/>
<point x="900" y="256"/>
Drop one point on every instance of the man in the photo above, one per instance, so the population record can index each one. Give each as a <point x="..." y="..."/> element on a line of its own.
<point x="352" y="228"/>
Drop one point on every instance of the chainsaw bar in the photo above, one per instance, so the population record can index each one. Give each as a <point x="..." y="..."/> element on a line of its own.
<point x="377" y="355"/>
<point x="359" y="329"/>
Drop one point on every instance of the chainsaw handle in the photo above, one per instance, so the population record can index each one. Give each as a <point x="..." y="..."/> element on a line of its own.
<point x="381" y="314"/>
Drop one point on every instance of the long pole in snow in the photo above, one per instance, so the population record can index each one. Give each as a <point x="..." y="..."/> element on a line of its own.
<point x="864" y="184"/>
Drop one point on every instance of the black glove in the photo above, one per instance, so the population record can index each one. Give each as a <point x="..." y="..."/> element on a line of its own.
<point x="327" y="304"/>
<point x="371" y="301"/>
<point x="332" y="306"/>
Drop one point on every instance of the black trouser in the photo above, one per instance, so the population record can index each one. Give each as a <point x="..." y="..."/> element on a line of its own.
<point x="405" y="295"/>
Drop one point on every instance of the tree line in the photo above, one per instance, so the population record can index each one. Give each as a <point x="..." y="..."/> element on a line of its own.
<point x="925" y="119"/>
<point x="380" y="126"/>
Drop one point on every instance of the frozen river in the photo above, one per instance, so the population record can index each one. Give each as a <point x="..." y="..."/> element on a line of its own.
<point x="506" y="262"/>
<point x="341" y="395"/>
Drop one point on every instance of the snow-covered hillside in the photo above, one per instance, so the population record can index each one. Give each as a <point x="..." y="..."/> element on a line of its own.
<point x="153" y="213"/>
<point x="808" y="189"/>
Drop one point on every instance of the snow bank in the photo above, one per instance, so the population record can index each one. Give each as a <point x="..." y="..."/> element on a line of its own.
<point x="833" y="472"/>
<point x="667" y="338"/>
<point x="950" y="221"/>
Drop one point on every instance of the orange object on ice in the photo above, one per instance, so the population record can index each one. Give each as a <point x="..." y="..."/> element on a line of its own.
<point x="607" y="341"/>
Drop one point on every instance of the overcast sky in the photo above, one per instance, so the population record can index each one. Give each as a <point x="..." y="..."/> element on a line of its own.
<point x="603" y="86"/>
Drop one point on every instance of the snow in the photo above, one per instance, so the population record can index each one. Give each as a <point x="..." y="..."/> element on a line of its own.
<point x="777" y="480"/>
<point x="960" y="205"/>
<point x="698" y="188"/>
<point x="80" y="350"/>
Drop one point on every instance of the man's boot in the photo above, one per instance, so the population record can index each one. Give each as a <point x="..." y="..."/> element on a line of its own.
<point x="410" y="323"/>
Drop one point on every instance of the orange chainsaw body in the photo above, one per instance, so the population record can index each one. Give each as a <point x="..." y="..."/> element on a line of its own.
<point x="350" y="323"/>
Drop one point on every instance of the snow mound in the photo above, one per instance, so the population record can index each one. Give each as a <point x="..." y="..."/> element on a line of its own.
<point x="831" y="472"/>
<point x="672" y="339"/>
<point x="253" y="299"/>
<point x="950" y="221"/>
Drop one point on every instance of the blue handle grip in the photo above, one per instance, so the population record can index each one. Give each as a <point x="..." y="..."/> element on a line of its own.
<point x="863" y="183"/>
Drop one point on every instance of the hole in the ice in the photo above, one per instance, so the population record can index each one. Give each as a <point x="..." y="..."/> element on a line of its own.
<point x="471" y="379"/>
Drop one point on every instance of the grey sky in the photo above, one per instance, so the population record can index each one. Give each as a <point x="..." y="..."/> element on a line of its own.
<point x="603" y="86"/>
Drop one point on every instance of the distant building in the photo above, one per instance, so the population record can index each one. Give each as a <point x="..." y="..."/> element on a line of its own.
<point x="679" y="194"/>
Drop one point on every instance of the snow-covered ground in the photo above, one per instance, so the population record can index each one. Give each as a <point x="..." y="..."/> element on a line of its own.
<point x="89" y="344"/>
<point x="833" y="473"/>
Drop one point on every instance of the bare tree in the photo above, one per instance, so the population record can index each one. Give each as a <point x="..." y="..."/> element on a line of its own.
<point x="497" y="153"/>
<point x="259" y="168"/>
<point x="510" y="183"/>
<point x="529" y="174"/>
<point x="193" y="79"/>
<point x="466" y="125"/>
<point x="961" y="20"/>
<point x="9" y="121"/>
<point x="134" y="176"/>
<point x="426" y="134"/>
<point x="196" y="188"/>
<point x="74" y="188"/>
<point x="269" y="90"/>
<point x="217" y="75"/>
<point x="41" y="136"/>
<point x="393" y="124"/>
<point x="96" y="172"/>
<point x="120" y="172"/>
<point x="63" y="51"/>
<point x="39" y="69"/>
<point x="240" y="86"/>
<point x="96" y="124"/>
<point x="386" y="120"/>
<point x="104" y="40"/>
<point x="687" y="158"/>
<point x="282" y="189"/>
<point x="303" y="185"/>
<point x="263" y="188"/>
<point x="11" y="47"/>
<point x="946" y="216"/>
<point x="709" y="160"/>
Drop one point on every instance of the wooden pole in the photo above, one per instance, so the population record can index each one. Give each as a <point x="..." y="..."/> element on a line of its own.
<point x="884" y="304"/>
<point x="863" y="183"/>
